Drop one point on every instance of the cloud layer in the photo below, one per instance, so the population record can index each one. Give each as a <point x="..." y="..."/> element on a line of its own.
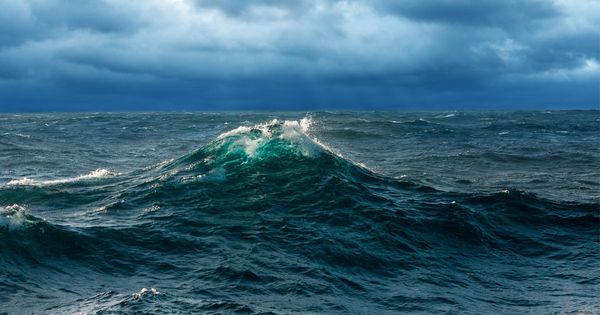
<point x="211" y="54"/>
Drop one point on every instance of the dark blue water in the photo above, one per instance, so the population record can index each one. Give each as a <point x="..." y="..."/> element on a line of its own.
<point x="300" y="213"/>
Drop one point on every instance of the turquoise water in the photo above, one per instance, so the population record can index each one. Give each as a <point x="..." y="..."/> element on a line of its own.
<point x="324" y="212"/>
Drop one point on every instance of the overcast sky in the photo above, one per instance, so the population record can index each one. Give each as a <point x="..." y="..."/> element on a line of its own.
<point x="314" y="54"/>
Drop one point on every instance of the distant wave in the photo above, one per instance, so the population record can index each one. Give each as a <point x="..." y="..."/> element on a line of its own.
<point x="97" y="174"/>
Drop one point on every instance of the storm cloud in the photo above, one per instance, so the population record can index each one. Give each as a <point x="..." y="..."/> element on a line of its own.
<point x="209" y="54"/>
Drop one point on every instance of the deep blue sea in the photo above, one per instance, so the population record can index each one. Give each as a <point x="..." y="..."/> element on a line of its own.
<point x="300" y="213"/>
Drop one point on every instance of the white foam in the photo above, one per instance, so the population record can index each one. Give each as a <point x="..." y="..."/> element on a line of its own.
<point x="236" y="131"/>
<point x="152" y="208"/>
<point x="291" y="130"/>
<point x="249" y="145"/>
<point x="99" y="173"/>
<point x="17" y="135"/>
<point x="12" y="217"/>
<point x="296" y="131"/>
<point x="287" y="127"/>
<point x="145" y="292"/>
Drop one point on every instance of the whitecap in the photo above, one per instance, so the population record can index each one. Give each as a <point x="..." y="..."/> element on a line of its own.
<point x="236" y="131"/>
<point x="12" y="217"/>
<point x="446" y="115"/>
<point x="295" y="131"/>
<point x="20" y="135"/>
<point x="97" y="174"/>
<point x="152" y="208"/>
<point x="144" y="292"/>
<point x="291" y="130"/>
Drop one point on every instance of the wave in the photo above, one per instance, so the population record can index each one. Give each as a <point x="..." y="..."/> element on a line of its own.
<point x="94" y="175"/>
<point x="20" y="135"/>
<point x="12" y="217"/>
<point x="280" y="161"/>
<point x="275" y="141"/>
<point x="348" y="133"/>
<point x="286" y="203"/>
<point x="150" y="300"/>
<point x="559" y="128"/>
<point x="267" y="160"/>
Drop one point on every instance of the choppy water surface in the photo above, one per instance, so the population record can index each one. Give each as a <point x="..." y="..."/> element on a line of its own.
<point x="279" y="213"/>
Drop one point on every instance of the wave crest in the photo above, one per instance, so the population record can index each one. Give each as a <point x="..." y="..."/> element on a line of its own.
<point x="97" y="174"/>
<point x="12" y="217"/>
<point x="267" y="149"/>
<point x="251" y="139"/>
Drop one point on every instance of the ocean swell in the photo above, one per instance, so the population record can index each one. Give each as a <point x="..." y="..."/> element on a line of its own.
<point x="264" y="213"/>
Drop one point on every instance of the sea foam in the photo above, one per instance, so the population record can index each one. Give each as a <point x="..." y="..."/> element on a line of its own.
<point x="97" y="174"/>
<point x="294" y="131"/>
<point x="12" y="217"/>
<point x="290" y="130"/>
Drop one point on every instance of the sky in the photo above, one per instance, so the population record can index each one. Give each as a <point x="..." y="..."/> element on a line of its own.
<point x="63" y="55"/>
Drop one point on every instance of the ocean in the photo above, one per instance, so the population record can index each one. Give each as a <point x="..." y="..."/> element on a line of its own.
<point x="300" y="212"/>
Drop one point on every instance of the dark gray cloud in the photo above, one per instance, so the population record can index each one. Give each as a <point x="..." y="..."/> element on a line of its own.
<point x="22" y="21"/>
<point x="511" y="14"/>
<point x="241" y="8"/>
<point x="86" y="55"/>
